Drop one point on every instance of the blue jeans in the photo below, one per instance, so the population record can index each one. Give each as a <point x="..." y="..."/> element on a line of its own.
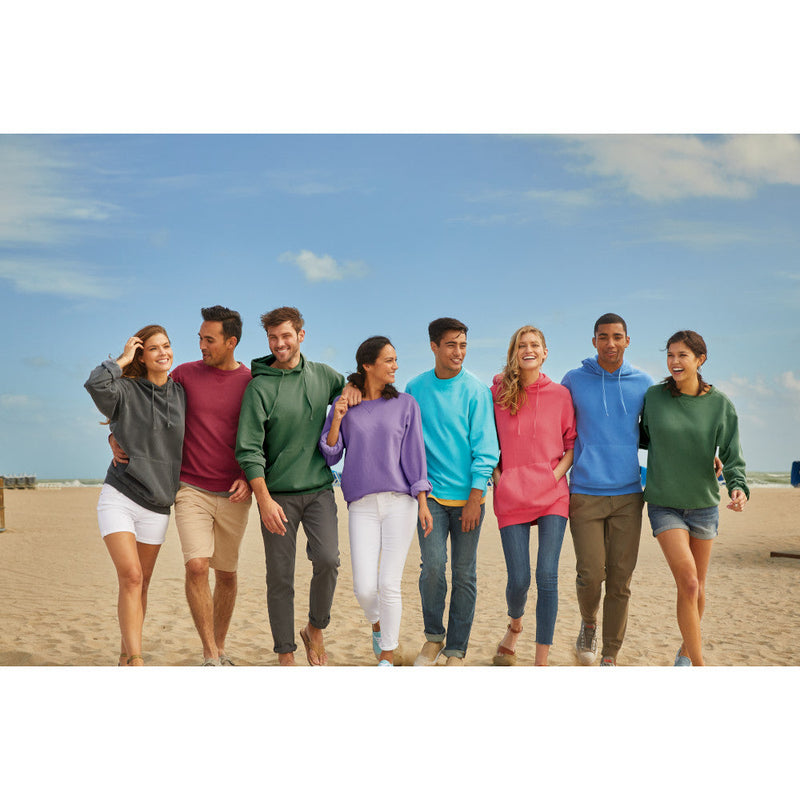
<point x="463" y="572"/>
<point x="516" y="548"/>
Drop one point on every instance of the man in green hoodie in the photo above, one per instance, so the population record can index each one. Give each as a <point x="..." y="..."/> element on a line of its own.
<point x="283" y="411"/>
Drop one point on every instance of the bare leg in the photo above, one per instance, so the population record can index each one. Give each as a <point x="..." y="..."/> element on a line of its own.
<point x="201" y="604"/>
<point x="512" y="634"/>
<point x="542" y="652"/>
<point x="683" y="554"/>
<point x="225" y="587"/>
<point x="121" y="546"/>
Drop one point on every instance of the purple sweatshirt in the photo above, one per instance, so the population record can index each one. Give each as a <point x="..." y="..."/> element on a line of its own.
<point x="385" y="450"/>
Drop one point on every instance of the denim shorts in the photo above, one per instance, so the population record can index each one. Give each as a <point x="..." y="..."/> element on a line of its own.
<point x="702" y="523"/>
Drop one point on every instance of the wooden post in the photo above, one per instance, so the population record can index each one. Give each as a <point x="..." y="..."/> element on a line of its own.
<point x="2" y="505"/>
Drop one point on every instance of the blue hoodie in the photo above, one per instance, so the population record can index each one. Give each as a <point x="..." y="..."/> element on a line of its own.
<point x="608" y="406"/>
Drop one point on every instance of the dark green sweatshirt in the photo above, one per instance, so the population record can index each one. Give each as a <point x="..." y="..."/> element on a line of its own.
<point x="682" y="435"/>
<point x="280" y="423"/>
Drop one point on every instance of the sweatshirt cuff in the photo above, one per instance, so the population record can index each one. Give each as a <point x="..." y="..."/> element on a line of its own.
<point x="111" y="365"/>
<point x="254" y="471"/>
<point x="480" y="482"/>
<point x="423" y="485"/>
<point x="329" y="452"/>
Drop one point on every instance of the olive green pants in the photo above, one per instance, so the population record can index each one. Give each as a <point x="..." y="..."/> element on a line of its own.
<point x="605" y="534"/>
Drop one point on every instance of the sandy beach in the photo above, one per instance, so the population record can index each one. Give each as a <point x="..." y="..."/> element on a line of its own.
<point x="58" y="594"/>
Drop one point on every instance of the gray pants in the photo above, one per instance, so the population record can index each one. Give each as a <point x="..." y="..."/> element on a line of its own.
<point x="317" y="512"/>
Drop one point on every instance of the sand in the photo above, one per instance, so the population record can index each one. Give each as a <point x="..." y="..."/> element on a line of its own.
<point x="58" y="594"/>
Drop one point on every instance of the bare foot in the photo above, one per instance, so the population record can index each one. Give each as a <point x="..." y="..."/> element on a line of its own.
<point x="315" y="646"/>
<point x="286" y="660"/>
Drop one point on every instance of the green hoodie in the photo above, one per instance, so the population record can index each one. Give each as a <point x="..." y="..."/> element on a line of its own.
<point x="283" y="411"/>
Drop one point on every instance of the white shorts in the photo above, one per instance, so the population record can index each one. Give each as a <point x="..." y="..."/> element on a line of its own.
<point x="115" y="513"/>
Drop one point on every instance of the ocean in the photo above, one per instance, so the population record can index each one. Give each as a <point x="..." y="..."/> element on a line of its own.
<point x="759" y="479"/>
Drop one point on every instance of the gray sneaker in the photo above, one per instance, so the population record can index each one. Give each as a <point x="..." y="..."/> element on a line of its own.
<point x="224" y="661"/>
<point x="586" y="645"/>
<point x="210" y="662"/>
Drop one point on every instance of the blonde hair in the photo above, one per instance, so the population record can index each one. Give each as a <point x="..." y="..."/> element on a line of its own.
<point x="511" y="393"/>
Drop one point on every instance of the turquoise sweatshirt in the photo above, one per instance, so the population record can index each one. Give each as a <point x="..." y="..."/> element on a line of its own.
<point x="458" y="427"/>
<point x="682" y="435"/>
<point x="280" y="423"/>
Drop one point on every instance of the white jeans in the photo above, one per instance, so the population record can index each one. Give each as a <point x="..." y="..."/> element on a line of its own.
<point x="381" y="527"/>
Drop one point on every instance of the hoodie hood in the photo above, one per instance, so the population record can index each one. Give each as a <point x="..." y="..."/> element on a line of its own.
<point x="264" y="367"/>
<point x="609" y="380"/>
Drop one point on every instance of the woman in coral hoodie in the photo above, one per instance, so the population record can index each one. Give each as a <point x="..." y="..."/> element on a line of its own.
<point x="536" y="428"/>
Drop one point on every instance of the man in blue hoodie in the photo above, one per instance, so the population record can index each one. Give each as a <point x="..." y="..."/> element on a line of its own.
<point x="605" y="510"/>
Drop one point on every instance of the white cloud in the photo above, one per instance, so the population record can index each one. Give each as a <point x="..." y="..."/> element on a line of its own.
<point x="38" y="204"/>
<point x="663" y="168"/>
<point x="69" y="280"/>
<point x="17" y="401"/>
<point x="701" y="235"/>
<point x="738" y="386"/>
<point x="324" y="268"/>
<point x="308" y="183"/>
<point x="791" y="382"/>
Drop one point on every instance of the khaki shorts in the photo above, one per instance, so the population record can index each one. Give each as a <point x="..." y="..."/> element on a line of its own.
<point x="210" y="526"/>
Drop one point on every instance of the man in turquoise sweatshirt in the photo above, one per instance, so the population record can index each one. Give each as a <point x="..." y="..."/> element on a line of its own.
<point x="461" y="451"/>
<point x="283" y="411"/>
<point x="605" y="510"/>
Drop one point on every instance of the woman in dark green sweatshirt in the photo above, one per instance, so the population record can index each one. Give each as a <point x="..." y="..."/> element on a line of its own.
<point x="684" y="421"/>
<point x="146" y="413"/>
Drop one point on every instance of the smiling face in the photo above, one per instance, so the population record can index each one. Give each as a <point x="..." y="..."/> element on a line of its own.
<point x="217" y="351"/>
<point x="284" y="344"/>
<point x="683" y="366"/>
<point x="531" y="354"/>
<point x="610" y="341"/>
<point x="449" y="354"/>
<point x="382" y="372"/>
<point x="156" y="357"/>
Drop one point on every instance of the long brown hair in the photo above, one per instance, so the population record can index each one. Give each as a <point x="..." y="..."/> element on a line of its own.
<point x="695" y="342"/>
<point x="367" y="353"/>
<point x="137" y="369"/>
<point x="511" y="393"/>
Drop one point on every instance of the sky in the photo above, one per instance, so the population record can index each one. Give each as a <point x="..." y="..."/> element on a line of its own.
<point x="380" y="234"/>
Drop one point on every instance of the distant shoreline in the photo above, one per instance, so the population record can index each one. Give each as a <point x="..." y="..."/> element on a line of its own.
<point x="764" y="480"/>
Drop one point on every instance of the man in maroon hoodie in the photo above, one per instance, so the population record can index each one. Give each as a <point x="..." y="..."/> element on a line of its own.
<point x="213" y="502"/>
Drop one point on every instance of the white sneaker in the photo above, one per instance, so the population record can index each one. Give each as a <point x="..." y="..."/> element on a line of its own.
<point x="429" y="653"/>
<point x="586" y="645"/>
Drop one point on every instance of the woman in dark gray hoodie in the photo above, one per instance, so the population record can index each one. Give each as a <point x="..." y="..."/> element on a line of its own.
<point x="146" y="412"/>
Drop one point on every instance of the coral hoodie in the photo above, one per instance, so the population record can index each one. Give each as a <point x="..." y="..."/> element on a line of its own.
<point x="607" y="410"/>
<point x="532" y="442"/>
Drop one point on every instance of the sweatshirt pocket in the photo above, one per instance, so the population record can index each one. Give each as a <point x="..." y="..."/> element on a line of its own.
<point x="606" y="466"/>
<point x="521" y="488"/>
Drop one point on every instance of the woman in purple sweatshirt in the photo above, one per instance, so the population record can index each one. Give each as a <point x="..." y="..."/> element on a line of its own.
<point x="385" y="485"/>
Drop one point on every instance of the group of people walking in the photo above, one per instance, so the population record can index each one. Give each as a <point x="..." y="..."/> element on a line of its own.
<point x="213" y="432"/>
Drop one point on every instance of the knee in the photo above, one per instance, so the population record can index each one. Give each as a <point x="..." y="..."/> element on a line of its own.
<point x="326" y="563"/>
<point x="365" y="594"/>
<point x="546" y="580"/>
<point x="197" y="569"/>
<point x="688" y="585"/>
<point x="132" y="578"/>
<point x="590" y="575"/>
<point x="225" y="579"/>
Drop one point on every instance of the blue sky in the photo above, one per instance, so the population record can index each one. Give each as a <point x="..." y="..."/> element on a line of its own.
<point x="366" y="234"/>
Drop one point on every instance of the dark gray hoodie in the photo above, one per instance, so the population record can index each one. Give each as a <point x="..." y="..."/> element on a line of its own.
<point x="147" y="421"/>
